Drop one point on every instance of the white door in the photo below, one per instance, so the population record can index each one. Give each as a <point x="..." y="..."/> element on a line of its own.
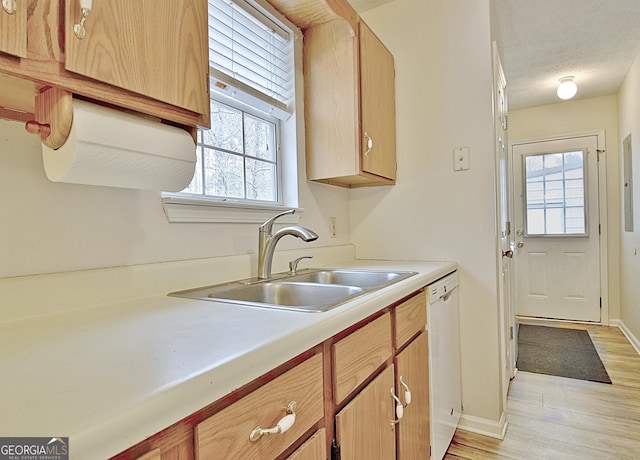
<point x="507" y="314"/>
<point x="557" y="228"/>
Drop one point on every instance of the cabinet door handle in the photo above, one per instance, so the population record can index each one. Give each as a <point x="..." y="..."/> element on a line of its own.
<point x="369" y="144"/>
<point x="85" y="8"/>
<point x="9" y="6"/>
<point x="282" y="426"/>
<point x="399" y="409"/>
<point x="407" y="392"/>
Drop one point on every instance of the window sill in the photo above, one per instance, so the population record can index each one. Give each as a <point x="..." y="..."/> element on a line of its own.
<point x="181" y="209"/>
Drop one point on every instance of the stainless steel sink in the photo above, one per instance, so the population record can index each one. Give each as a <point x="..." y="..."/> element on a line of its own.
<point x="360" y="278"/>
<point x="311" y="291"/>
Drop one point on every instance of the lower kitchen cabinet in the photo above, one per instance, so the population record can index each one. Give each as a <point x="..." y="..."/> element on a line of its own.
<point x="365" y="427"/>
<point x="369" y="426"/>
<point x="412" y="375"/>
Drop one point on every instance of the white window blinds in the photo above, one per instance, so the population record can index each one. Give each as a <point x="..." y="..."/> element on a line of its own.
<point x="251" y="57"/>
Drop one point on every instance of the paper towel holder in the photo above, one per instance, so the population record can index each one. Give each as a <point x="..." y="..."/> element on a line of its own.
<point x="53" y="117"/>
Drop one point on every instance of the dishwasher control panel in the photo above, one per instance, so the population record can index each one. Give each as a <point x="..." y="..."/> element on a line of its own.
<point x="442" y="287"/>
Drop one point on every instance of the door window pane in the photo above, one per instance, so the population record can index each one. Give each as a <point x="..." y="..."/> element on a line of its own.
<point x="555" y="194"/>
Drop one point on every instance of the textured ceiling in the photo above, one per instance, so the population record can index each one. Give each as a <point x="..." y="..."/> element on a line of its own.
<point x="596" y="41"/>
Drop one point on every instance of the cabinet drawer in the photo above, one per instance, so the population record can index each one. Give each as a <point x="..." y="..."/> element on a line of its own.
<point x="226" y="434"/>
<point x="359" y="354"/>
<point x="314" y="448"/>
<point x="411" y="317"/>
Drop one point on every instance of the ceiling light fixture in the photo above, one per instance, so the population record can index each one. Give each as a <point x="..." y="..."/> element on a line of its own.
<point x="567" y="88"/>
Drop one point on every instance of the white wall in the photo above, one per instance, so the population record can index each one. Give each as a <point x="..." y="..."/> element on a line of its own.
<point x="577" y="116"/>
<point x="50" y="227"/>
<point x="442" y="51"/>
<point x="629" y="123"/>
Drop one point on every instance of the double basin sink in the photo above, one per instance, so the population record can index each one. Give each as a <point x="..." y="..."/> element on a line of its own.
<point x="314" y="290"/>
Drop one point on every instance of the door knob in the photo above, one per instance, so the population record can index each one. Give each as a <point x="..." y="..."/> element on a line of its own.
<point x="508" y="253"/>
<point x="520" y="244"/>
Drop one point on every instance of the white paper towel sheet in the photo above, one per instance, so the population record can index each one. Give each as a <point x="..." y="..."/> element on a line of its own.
<point x="117" y="149"/>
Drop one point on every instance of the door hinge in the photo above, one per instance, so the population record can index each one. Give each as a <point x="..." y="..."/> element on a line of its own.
<point x="335" y="450"/>
<point x="600" y="302"/>
<point x="599" y="229"/>
<point x="511" y="332"/>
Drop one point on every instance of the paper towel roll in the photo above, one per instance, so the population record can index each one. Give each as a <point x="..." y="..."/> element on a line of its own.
<point x="117" y="149"/>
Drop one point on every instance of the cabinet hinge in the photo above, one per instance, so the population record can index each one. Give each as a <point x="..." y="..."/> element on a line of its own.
<point x="335" y="450"/>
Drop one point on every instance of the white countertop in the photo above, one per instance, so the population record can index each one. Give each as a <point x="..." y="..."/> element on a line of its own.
<point x="109" y="377"/>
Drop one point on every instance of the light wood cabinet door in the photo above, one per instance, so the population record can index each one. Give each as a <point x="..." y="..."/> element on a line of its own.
<point x="226" y="434"/>
<point x="412" y="365"/>
<point x="377" y="106"/>
<point x="349" y="91"/>
<point x="363" y="427"/>
<point x="314" y="448"/>
<point x="13" y="30"/>
<point x="154" y="48"/>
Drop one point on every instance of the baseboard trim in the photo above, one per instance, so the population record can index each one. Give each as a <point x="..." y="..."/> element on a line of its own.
<point x="484" y="426"/>
<point x="635" y="343"/>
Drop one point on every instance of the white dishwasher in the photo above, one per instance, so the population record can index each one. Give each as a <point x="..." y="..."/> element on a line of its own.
<point x="444" y="362"/>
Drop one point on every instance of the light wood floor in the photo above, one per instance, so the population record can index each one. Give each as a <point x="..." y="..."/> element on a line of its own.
<point x="558" y="418"/>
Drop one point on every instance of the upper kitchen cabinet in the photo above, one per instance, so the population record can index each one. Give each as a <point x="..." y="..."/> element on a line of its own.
<point x="350" y="106"/>
<point x="13" y="28"/>
<point x="148" y="56"/>
<point x="154" y="48"/>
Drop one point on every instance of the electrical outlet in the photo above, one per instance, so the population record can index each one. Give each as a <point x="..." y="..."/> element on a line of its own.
<point x="332" y="227"/>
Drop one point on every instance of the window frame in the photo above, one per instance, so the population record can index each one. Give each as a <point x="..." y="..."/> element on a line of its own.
<point x="182" y="207"/>
<point x="585" y="204"/>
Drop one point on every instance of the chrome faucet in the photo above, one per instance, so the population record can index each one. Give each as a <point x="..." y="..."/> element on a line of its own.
<point x="267" y="241"/>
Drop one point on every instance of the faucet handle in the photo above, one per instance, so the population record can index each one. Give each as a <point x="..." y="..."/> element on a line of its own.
<point x="267" y="226"/>
<point x="293" y="265"/>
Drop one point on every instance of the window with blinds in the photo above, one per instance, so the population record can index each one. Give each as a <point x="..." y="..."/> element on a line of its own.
<point x="252" y="59"/>
<point x="251" y="56"/>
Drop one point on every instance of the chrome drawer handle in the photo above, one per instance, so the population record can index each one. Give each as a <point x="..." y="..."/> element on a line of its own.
<point x="369" y="144"/>
<point x="85" y="8"/>
<point x="407" y="393"/>
<point x="399" y="409"/>
<point x="282" y="426"/>
<point x="9" y="6"/>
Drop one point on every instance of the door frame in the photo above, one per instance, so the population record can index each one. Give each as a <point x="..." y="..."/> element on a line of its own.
<point x="602" y="214"/>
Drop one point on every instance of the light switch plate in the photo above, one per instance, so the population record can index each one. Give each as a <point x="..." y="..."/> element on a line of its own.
<point x="461" y="158"/>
